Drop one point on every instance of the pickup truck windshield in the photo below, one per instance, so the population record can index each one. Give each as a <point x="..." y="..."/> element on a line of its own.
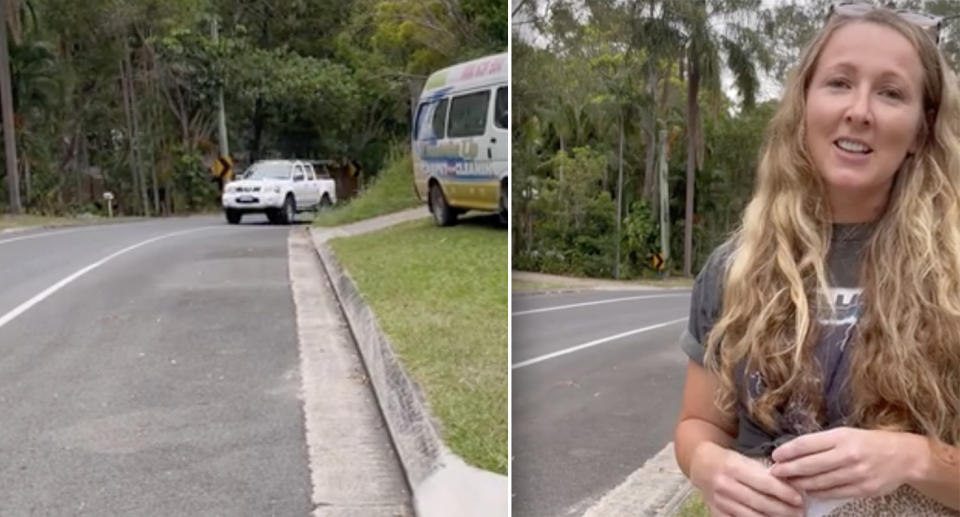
<point x="262" y="171"/>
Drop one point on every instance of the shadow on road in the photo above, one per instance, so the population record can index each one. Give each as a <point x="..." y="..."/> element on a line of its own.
<point x="255" y="221"/>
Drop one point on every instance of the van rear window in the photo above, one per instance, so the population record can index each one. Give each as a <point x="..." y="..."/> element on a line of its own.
<point x="468" y="114"/>
<point x="501" y="108"/>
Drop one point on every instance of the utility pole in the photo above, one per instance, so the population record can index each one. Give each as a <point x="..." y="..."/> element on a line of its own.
<point x="9" y="137"/>
<point x="221" y="114"/>
<point x="664" y="204"/>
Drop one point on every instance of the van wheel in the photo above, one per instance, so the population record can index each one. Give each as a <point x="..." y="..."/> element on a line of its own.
<point x="288" y="213"/>
<point x="504" y="211"/>
<point x="443" y="214"/>
<point x="234" y="216"/>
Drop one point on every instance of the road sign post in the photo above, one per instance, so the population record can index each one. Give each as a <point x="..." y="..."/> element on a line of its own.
<point x="222" y="170"/>
<point x="659" y="263"/>
<point x="108" y="197"/>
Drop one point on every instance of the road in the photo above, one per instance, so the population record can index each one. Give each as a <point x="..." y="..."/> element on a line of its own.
<point x="150" y="369"/>
<point x="597" y="380"/>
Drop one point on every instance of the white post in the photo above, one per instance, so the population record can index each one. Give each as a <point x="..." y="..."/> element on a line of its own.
<point x="108" y="197"/>
<point x="664" y="204"/>
<point x="221" y="113"/>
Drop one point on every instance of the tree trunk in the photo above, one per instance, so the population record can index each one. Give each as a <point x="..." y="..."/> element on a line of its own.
<point x="616" y="268"/>
<point x="9" y="137"/>
<point x="26" y="182"/>
<point x="77" y="183"/>
<point x="650" y="173"/>
<point x="693" y="119"/>
<point x="12" y="16"/>
<point x="135" y="136"/>
<point x="561" y="167"/>
<point x="528" y="224"/>
<point x="258" y="120"/>
<point x="125" y="91"/>
<point x="155" y="105"/>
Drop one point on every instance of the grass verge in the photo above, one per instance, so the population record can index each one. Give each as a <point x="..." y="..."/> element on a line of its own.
<point x="441" y="295"/>
<point x="525" y="286"/>
<point x="392" y="191"/>
<point x="526" y="282"/>
<point x="674" y="281"/>
<point x="694" y="507"/>
<point x="19" y="221"/>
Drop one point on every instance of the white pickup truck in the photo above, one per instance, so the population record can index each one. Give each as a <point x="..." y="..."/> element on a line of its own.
<point x="278" y="188"/>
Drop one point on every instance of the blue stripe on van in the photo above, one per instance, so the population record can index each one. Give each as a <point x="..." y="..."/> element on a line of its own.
<point x="450" y="160"/>
<point x="468" y="177"/>
<point x="437" y="95"/>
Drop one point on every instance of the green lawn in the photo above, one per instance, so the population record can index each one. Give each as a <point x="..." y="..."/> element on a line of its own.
<point x="441" y="295"/>
<point x="392" y="191"/>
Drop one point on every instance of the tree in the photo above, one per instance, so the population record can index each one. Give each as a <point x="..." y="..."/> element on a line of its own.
<point x="6" y="99"/>
<point x="715" y="30"/>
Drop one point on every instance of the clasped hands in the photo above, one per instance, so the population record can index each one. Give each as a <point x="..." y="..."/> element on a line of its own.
<point x="835" y="464"/>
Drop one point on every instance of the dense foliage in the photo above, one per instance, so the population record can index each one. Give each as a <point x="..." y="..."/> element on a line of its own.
<point x="594" y="85"/>
<point x="121" y="95"/>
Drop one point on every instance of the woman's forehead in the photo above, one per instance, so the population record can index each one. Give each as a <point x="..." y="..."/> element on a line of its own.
<point x="866" y="46"/>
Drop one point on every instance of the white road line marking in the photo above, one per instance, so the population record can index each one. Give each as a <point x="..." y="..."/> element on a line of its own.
<point x="593" y="343"/>
<point x="23" y="307"/>
<point x="598" y="302"/>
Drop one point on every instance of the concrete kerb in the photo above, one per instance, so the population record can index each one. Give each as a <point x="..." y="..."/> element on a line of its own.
<point x="658" y="489"/>
<point x="442" y="483"/>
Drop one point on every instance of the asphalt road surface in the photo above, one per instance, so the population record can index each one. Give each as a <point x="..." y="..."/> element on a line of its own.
<point x="150" y="369"/>
<point x="597" y="380"/>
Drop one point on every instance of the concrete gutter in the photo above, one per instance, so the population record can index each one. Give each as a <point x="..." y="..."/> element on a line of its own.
<point x="658" y="489"/>
<point x="442" y="483"/>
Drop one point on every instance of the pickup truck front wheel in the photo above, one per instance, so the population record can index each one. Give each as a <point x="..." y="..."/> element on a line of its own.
<point x="288" y="213"/>
<point x="443" y="214"/>
<point x="234" y="216"/>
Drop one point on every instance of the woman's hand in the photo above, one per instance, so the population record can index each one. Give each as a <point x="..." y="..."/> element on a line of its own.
<point x="736" y="486"/>
<point x="846" y="462"/>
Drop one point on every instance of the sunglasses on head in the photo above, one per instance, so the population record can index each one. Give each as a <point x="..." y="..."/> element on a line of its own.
<point x="928" y="22"/>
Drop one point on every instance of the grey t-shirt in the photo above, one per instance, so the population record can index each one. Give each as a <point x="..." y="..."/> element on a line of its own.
<point x="843" y="261"/>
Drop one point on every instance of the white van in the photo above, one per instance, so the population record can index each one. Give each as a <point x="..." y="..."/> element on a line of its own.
<point x="460" y="139"/>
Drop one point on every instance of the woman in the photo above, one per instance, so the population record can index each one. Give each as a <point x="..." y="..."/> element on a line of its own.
<point x="824" y="337"/>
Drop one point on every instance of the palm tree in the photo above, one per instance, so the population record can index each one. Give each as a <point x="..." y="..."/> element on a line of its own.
<point x="715" y="30"/>
<point x="8" y="12"/>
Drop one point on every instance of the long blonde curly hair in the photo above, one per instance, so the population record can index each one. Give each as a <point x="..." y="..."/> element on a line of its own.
<point x="905" y="368"/>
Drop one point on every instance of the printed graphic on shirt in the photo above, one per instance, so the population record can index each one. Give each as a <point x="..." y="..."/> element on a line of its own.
<point x="846" y="301"/>
<point x="836" y="329"/>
